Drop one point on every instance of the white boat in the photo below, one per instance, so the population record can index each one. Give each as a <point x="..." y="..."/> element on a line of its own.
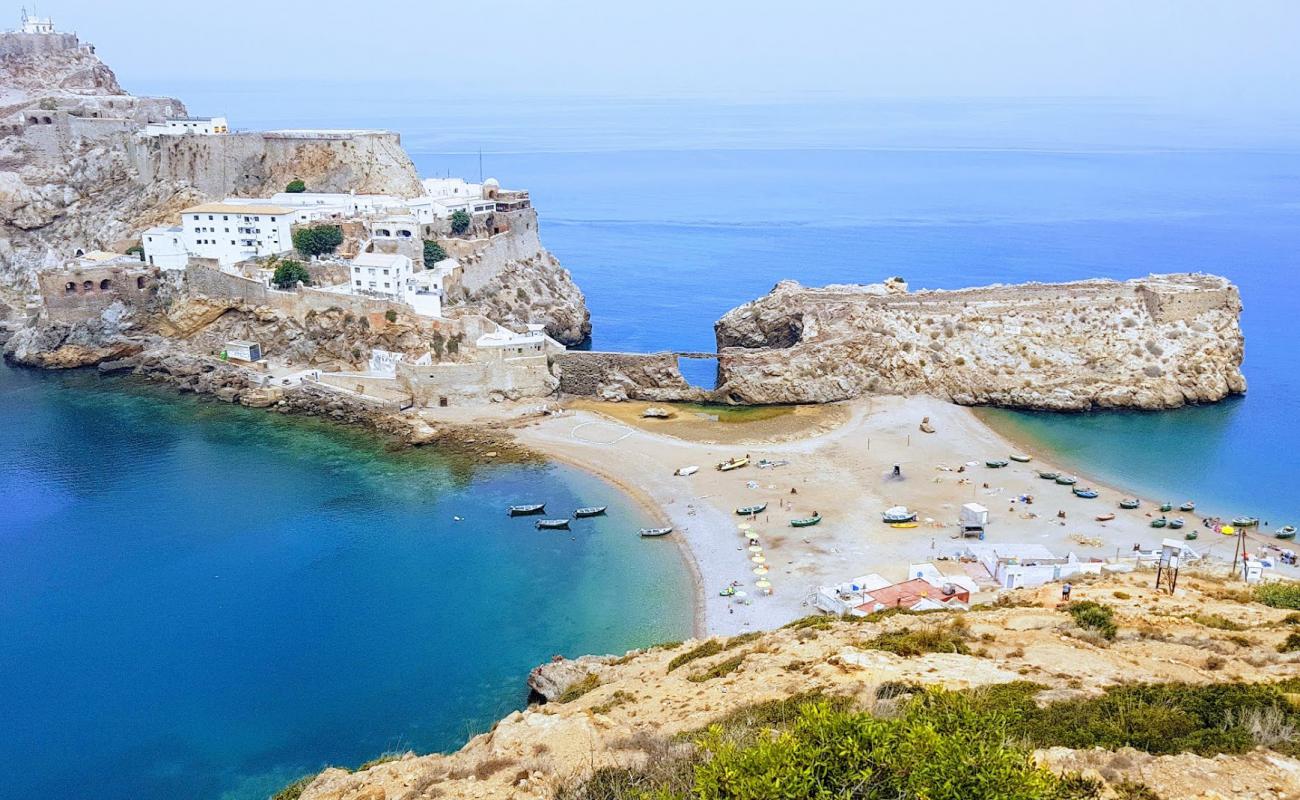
<point x="649" y="532"/>
<point x="684" y="471"/>
<point x="898" y="514"/>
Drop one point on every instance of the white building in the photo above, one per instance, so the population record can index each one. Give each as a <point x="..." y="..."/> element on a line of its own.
<point x="231" y="232"/>
<point x="201" y="126"/>
<point x="164" y="247"/>
<point x="32" y="24"/>
<point x="382" y="274"/>
<point x="314" y="206"/>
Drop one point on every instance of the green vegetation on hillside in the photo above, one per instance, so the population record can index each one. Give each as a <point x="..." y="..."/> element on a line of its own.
<point x="296" y="186"/>
<point x="317" y="240"/>
<point x="460" y="221"/>
<point x="1282" y="594"/>
<point x="1095" y="617"/>
<point x="288" y="273"/>
<point x="433" y="253"/>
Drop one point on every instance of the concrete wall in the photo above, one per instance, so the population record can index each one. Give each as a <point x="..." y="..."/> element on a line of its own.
<point x="624" y="376"/>
<point x="26" y="44"/>
<point x="453" y="384"/>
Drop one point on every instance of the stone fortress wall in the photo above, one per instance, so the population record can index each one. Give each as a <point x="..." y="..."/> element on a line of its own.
<point x="624" y="376"/>
<point x="80" y="293"/>
<point x="14" y="44"/>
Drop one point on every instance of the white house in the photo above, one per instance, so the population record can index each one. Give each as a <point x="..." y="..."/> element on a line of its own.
<point x="32" y="24"/>
<point x="201" y="126"/>
<point x="231" y="232"/>
<point x="1027" y="564"/>
<point x="382" y="274"/>
<point x="164" y="247"/>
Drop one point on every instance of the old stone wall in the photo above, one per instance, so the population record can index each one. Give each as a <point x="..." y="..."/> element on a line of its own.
<point x="623" y="376"/>
<point x="487" y="380"/>
<point x="73" y="295"/>
<point x="214" y="283"/>
<point x="31" y="44"/>
<point x="1166" y="306"/>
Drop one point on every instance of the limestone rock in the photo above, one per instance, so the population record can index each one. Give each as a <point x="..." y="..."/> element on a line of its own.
<point x="1156" y="342"/>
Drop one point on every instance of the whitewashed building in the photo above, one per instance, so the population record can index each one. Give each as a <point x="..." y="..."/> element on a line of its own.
<point x="231" y="232"/>
<point x="382" y="274"/>
<point x="199" y="126"/>
<point x="164" y="247"/>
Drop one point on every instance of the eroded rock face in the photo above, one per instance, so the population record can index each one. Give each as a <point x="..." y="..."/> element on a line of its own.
<point x="536" y="290"/>
<point x="1156" y="342"/>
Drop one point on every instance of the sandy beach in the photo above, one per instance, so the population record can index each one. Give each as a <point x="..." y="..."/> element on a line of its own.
<point x="841" y="461"/>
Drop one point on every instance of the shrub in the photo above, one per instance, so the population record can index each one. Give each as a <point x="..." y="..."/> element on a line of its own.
<point x="710" y="648"/>
<point x="1094" y="616"/>
<point x="460" y="221"/>
<point x="295" y="186"/>
<point x="950" y="638"/>
<point x="390" y="315"/>
<point x="294" y="790"/>
<point x="576" y="690"/>
<point x="1216" y="621"/>
<point x="317" y="240"/>
<point x="135" y="250"/>
<point x="289" y="272"/>
<point x="1280" y="594"/>
<point x="433" y="253"/>
<point x="718" y="670"/>
<point x="1291" y="645"/>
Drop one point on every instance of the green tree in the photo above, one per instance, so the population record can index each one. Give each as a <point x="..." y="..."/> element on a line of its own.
<point x="433" y="253"/>
<point x="289" y="272"/>
<point x="459" y="221"/>
<point x="296" y="186"/>
<point x="316" y="240"/>
<point x="135" y="250"/>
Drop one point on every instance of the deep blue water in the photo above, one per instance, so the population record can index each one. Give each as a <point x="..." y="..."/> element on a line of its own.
<point x="350" y="616"/>
<point x="204" y="601"/>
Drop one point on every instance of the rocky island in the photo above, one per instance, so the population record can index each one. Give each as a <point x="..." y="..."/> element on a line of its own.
<point x="1156" y="342"/>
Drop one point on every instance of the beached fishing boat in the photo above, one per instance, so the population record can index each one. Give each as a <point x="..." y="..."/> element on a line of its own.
<point x="898" y="514"/>
<point x="1285" y="532"/>
<point x="727" y="591"/>
<point x="649" y="532"/>
<point x="732" y="463"/>
<point x="1087" y="494"/>
<point x="746" y="511"/>
<point x="1048" y="476"/>
<point x="1165" y="508"/>
<point x="1245" y="522"/>
<point x="1105" y="517"/>
<point x="1188" y="507"/>
<point x="1021" y="457"/>
<point x="1159" y="522"/>
<point x="1190" y="535"/>
<point x="531" y="508"/>
<point x="1130" y="503"/>
<point x="685" y="471"/>
<point x="996" y="463"/>
<point x="1066" y="480"/>
<point x="764" y="463"/>
<point x="590" y="511"/>
<point x="806" y="522"/>
<point x="552" y="524"/>
<point x="1176" y="523"/>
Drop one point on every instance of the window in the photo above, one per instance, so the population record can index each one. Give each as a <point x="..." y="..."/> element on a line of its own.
<point x="385" y="272"/>
<point x="358" y="283"/>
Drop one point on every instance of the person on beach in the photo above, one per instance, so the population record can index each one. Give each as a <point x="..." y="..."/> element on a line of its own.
<point x="1065" y="592"/>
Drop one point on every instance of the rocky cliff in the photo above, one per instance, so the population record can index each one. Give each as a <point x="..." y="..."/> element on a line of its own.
<point x="633" y="721"/>
<point x="1156" y="342"/>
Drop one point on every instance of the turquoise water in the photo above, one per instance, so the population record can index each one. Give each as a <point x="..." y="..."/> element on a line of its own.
<point x="204" y="601"/>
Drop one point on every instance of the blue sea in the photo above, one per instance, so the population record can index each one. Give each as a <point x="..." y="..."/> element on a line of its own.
<point x="201" y="601"/>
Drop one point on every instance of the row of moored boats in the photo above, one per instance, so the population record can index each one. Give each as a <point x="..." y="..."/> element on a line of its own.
<point x="562" y="523"/>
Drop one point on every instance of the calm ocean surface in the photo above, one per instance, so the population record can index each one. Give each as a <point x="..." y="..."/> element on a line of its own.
<point x="204" y="601"/>
<point x="181" y="644"/>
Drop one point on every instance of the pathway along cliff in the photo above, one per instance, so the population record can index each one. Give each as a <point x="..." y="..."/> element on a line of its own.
<point x="1156" y="342"/>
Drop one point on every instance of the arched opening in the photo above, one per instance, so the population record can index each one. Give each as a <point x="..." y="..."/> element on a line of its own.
<point x="105" y="285"/>
<point x="70" y="288"/>
<point x="383" y="232"/>
<point x="80" y="252"/>
<point x="32" y="121"/>
<point x="88" y="287"/>
<point x="46" y="121"/>
<point x="405" y="234"/>
<point x="139" y="282"/>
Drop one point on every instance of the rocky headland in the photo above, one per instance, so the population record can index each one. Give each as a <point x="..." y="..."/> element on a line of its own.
<point x="612" y="725"/>
<point x="1157" y="342"/>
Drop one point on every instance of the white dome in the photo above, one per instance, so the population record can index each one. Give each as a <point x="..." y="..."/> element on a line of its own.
<point x="492" y="182"/>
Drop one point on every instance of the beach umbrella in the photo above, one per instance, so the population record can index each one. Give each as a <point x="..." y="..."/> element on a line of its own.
<point x="753" y="548"/>
<point x="760" y="570"/>
<point x="744" y="526"/>
<point x="740" y="593"/>
<point x="763" y="583"/>
<point x="758" y="559"/>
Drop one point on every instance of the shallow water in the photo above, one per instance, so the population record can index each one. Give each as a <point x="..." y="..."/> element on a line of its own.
<point x="200" y="600"/>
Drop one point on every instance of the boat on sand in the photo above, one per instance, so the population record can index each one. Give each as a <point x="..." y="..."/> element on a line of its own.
<point x="997" y="463"/>
<point x="747" y="511"/>
<point x="1105" y="517"/>
<point x="1159" y="522"/>
<point x="1020" y="457"/>
<point x="685" y="471"/>
<point x="1067" y="480"/>
<point x="806" y="522"/>
<point x="1084" y="492"/>
<point x="1048" y="476"/>
<point x="1130" y="503"/>
<point x="897" y="514"/>
<point x="733" y="463"/>
<point x="1284" y="532"/>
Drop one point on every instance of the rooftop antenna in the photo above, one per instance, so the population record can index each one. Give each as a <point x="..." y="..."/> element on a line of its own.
<point x="480" y="165"/>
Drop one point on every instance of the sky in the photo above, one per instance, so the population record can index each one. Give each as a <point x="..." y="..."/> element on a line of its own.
<point x="1199" y="52"/>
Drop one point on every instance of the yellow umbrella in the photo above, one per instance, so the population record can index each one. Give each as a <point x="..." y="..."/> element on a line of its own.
<point x="1227" y="530"/>
<point x="753" y="548"/>
<point x="763" y="583"/>
<point x="760" y="570"/>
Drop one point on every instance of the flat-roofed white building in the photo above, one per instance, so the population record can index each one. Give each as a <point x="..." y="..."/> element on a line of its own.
<point x="313" y="206"/>
<point x="382" y="274"/>
<point x="231" y="232"/>
<point x="164" y="247"/>
<point x="200" y="126"/>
